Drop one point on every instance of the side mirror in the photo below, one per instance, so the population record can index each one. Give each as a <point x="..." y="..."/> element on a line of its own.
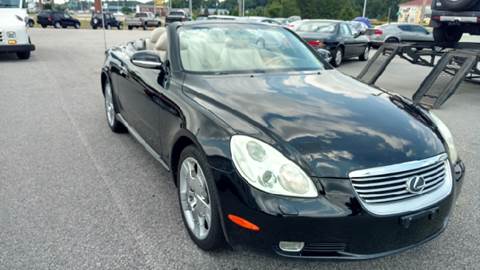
<point x="356" y="34"/>
<point x="147" y="59"/>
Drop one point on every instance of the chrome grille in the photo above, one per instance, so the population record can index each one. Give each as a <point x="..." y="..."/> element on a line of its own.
<point x="389" y="184"/>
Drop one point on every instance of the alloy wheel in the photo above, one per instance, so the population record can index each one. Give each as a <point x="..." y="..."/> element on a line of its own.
<point x="109" y="105"/>
<point x="338" y="57"/>
<point x="195" y="198"/>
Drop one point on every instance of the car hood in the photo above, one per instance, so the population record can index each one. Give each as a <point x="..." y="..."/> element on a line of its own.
<point x="327" y="122"/>
<point x="8" y="17"/>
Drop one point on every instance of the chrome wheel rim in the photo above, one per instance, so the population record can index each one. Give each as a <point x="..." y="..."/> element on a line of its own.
<point x="338" y="57"/>
<point x="195" y="198"/>
<point x="109" y="105"/>
<point x="366" y="53"/>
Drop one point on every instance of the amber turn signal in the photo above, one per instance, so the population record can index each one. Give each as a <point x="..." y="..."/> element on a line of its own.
<point x="243" y="223"/>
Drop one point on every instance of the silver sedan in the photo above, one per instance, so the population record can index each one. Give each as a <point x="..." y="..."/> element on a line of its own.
<point x="399" y="32"/>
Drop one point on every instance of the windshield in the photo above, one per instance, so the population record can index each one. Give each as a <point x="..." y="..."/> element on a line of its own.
<point x="176" y="13"/>
<point x="141" y="15"/>
<point x="322" y="27"/>
<point x="243" y="48"/>
<point x="10" y="4"/>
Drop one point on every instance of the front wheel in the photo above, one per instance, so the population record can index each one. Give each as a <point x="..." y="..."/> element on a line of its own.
<point x="57" y="25"/>
<point x="77" y="26"/>
<point x="145" y="27"/>
<point x="23" y="55"/>
<point x="366" y="53"/>
<point x="129" y="27"/>
<point x="448" y="34"/>
<point x="44" y="26"/>
<point x="115" y="125"/>
<point x="198" y="199"/>
<point x="337" y="57"/>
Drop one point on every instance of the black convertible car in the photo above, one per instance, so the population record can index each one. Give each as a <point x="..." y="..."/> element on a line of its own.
<point x="339" y="37"/>
<point x="272" y="148"/>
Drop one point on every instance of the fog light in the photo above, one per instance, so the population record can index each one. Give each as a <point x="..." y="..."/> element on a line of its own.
<point x="291" y="246"/>
<point x="12" y="42"/>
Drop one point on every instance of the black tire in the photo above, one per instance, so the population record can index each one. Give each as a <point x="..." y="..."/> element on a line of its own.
<point x="129" y="27"/>
<point x="23" y="55"/>
<point x="336" y="59"/>
<point x="64" y="26"/>
<point x="119" y="27"/>
<point x="214" y="240"/>
<point x="159" y="24"/>
<point x="115" y="125"/>
<point x="77" y="26"/>
<point x="392" y="40"/>
<point x="31" y="23"/>
<point x="447" y="34"/>
<point x="365" y="55"/>
<point x="94" y="27"/>
<point x="44" y="26"/>
<point x="108" y="26"/>
<point x="145" y="27"/>
<point x="57" y="25"/>
<point x="458" y="5"/>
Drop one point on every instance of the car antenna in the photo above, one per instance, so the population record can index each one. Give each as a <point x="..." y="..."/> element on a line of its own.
<point x="103" y="26"/>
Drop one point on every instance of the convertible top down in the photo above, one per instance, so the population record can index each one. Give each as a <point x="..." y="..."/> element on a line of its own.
<point x="272" y="148"/>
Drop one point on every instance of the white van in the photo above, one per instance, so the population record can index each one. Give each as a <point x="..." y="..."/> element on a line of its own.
<point x="13" y="29"/>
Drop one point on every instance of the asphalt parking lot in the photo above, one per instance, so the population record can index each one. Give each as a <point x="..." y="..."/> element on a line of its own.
<point x="74" y="195"/>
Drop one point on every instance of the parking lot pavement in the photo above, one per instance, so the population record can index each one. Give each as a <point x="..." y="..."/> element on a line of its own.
<point x="73" y="195"/>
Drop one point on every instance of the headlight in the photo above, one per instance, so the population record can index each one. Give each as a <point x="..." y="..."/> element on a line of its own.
<point x="447" y="135"/>
<point x="268" y="170"/>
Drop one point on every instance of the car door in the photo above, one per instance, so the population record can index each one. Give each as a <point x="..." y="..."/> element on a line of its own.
<point x="348" y="40"/>
<point x="421" y="33"/>
<point x="142" y="98"/>
<point x="407" y="33"/>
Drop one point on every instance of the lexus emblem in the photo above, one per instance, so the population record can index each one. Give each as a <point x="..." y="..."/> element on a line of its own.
<point x="416" y="184"/>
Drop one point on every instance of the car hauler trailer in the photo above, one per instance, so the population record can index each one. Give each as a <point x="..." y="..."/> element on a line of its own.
<point x="452" y="64"/>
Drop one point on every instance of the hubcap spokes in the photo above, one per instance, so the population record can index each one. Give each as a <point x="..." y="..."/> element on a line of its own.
<point x="195" y="199"/>
<point x="109" y="105"/>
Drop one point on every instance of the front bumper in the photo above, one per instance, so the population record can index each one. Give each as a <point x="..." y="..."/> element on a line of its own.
<point x="332" y="226"/>
<point x="16" y="48"/>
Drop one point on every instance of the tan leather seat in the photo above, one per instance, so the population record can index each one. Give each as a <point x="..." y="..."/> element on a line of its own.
<point x="156" y="33"/>
<point x="161" y="45"/>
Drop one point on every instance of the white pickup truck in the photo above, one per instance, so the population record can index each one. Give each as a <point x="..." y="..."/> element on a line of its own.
<point x="142" y="20"/>
<point x="13" y="29"/>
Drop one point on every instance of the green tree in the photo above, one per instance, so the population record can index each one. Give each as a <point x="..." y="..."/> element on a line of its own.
<point x="347" y="12"/>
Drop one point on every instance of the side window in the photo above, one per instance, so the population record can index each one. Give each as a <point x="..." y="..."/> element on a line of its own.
<point x="419" y="29"/>
<point x="345" y="30"/>
<point x="406" y="28"/>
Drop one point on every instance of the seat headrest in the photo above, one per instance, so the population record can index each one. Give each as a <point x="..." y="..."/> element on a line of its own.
<point x="156" y="33"/>
<point x="162" y="42"/>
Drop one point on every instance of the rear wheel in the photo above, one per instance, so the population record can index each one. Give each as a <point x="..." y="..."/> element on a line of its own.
<point x="44" y="26"/>
<point x="57" y="25"/>
<point x="23" y="55"/>
<point x="449" y="34"/>
<point x="115" y="125"/>
<point x="198" y="199"/>
<point x="77" y="26"/>
<point x="129" y="27"/>
<point x="31" y="23"/>
<point x="145" y="27"/>
<point x="392" y="40"/>
<point x="337" y="57"/>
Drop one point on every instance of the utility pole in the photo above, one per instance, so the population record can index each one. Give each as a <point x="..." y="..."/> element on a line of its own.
<point x="191" y="8"/>
<point x="364" y="8"/>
